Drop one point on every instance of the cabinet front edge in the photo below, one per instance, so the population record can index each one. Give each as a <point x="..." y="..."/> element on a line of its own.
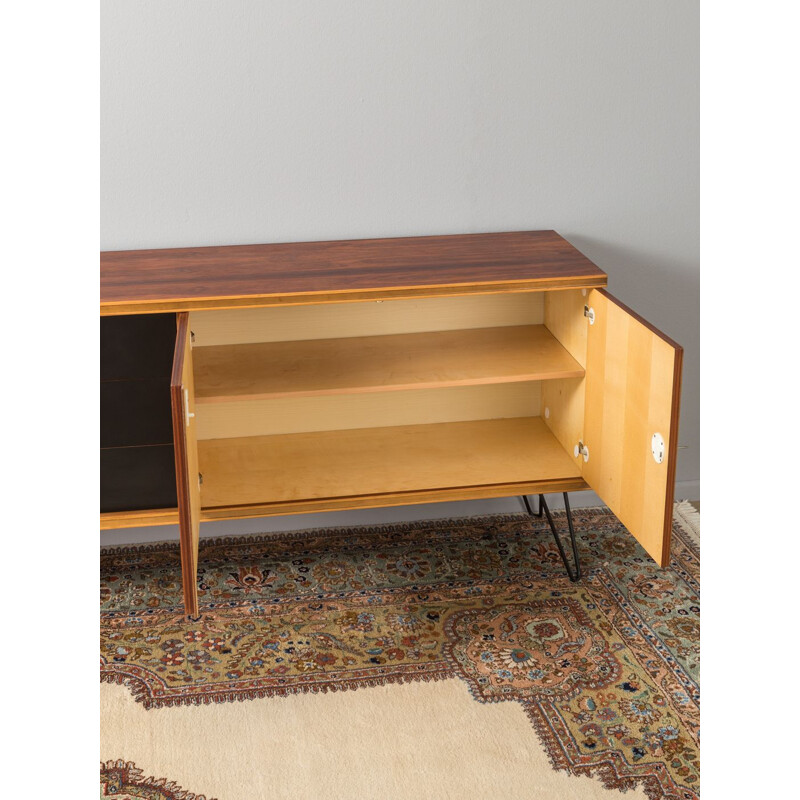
<point x="161" y="306"/>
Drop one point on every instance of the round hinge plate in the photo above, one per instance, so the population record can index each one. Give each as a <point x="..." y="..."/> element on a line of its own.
<point x="658" y="448"/>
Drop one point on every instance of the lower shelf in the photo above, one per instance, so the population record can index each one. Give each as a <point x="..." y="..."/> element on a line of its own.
<point x="369" y="462"/>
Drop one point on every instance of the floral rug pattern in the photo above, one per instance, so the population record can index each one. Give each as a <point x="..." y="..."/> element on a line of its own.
<point x="606" y="669"/>
<point x="123" y="780"/>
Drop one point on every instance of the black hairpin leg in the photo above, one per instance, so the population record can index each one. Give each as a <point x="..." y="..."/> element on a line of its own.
<point x="573" y="576"/>
<point x="529" y="509"/>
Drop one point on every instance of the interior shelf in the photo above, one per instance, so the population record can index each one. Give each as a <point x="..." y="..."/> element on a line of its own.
<point x="373" y="461"/>
<point x="380" y="363"/>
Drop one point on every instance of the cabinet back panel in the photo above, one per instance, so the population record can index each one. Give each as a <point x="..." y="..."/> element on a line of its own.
<point x="370" y="410"/>
<point x="344" y="320"/>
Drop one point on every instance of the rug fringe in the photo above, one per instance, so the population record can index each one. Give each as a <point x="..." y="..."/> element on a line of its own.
<point x="688" y="518"/>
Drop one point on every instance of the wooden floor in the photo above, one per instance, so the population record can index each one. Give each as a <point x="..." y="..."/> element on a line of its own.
<point x="380" y="363"/>
<point x="374" y="461"/>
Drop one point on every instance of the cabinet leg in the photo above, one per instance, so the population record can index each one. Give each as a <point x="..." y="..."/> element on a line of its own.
<point x="574" y="575"/>
<point x="529" y="509"/>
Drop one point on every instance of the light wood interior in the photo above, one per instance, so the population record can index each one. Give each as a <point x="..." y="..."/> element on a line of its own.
<point x="376" y="461"/>
<point x="372" y="318"/>
<point x="564" y="318"/>
<point x="563" y="400"/>
<point x="563" y="406"/>
<point x="380" y="363"/>
<point x="321" y="504"/>
<point x="367" y="410"/>
<point x="358" y="404"/>
<point x="630" y="373"/>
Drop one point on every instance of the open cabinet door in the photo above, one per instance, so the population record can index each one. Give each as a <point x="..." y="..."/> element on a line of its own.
<point x="186" y="471"/>
<point x="633" y="384"/>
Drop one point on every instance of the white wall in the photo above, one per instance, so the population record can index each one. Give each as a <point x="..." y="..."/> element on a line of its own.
<point x="249" y="121"/>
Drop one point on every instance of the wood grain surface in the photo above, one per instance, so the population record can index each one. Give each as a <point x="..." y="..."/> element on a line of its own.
<point x="633" y="377"/>
<point x="138" y="281"/>
<point x="374" y="461"/>
<point x="186" y="471"/>
<point x="380" y="363"/>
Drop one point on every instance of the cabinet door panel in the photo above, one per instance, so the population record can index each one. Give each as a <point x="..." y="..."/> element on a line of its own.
<point x="137" y="478"/>
<point x="187" y="474"/>
<point x="135" y="413"/>
<point x="633" y="378"/>
<point x="136" y="346"/>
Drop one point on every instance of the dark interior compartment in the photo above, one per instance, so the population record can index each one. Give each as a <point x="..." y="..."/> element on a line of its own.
<point x="137" y="461"/>
<point x="135" y="413"/>
<point x="136" y="478"/>
<point x="136" y="346"/>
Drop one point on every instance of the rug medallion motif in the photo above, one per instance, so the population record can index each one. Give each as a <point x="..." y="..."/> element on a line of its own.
<point x="606" y="669"/>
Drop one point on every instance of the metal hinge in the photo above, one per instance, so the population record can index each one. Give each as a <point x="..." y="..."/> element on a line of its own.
<point x="191" y="337"/>
<point x="199" y="479"/>
<point x="581" y="450"/>
<point x="589" y="314"/>
<point x="189" y="414"/>
<point x="658" y="448"/>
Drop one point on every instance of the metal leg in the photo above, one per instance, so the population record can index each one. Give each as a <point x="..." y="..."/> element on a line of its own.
<point x="528" y="507"/>
<point x="573" y="576"/>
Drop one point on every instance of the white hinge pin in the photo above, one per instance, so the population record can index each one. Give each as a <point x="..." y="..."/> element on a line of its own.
<point x="189" y="414"/>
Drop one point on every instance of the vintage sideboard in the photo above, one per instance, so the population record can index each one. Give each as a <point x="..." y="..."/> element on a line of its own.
<point x="254" y="380"/>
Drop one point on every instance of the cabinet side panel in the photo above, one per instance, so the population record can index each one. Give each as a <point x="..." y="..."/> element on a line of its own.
<point x="563" y="400"/>
<point x="563" y="404"/>
<point x="564" y="318"/>
<point x="632" y="394"/>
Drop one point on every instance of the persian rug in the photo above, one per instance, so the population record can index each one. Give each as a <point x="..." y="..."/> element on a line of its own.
<point x="124" y="781"/>
<point x="413" y="616"/>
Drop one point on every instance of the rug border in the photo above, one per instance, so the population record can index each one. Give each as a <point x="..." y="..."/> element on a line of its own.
<point x="163" y="785"/>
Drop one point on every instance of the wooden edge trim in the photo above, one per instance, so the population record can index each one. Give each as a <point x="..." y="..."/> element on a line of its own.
<point x="639" y="318"/>
<point x="182" y="325"/>
<point x="170" y="516"/>
<point x="213" y="399"/>
<point x="400" y="498"/>
<point x="181" y="479"/>
<point x="160" y="306"/>
<point x="110" y="520"/>
<point x="677" y="376"/>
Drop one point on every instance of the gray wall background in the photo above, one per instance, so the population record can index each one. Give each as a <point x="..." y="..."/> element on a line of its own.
<point x="245" y="121"/>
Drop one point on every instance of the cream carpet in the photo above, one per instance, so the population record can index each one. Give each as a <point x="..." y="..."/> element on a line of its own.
<point x="369" y="743"/>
